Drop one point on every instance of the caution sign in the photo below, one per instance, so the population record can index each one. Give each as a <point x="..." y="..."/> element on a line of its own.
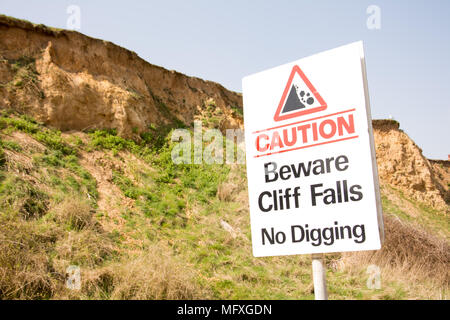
<point x="311" y="167"/>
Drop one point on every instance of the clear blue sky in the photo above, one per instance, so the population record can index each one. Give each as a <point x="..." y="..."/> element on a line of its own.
<point x="408" y="59"/>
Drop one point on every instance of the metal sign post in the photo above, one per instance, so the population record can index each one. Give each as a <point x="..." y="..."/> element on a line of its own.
<point x="319" y="277"/>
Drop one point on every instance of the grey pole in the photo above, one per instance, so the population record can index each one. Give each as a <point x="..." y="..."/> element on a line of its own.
<point x="319" y="277"/>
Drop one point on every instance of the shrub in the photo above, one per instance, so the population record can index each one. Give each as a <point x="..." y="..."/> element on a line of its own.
<point x="17" y="195"/>
<point x="11" y="145"/>
<point x="51" y="138"/>
<point x="74" y="212"/>
<point x="108" y="139"/>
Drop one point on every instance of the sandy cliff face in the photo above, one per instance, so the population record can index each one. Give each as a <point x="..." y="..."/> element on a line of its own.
<point x="74" y="82"/>
<point x="402" y="165"/>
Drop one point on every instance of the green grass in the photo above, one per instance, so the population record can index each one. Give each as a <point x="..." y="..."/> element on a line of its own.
<point x="173" y="186"/>
<point x="79" y="179"/>
<point x="390" y="207"/>
<point x="11" y="145"/>
<point x="430" y="218"/>
<point x="59" y="153"/>
<point x="51" y="138"/>
<point x="19" y="195"/>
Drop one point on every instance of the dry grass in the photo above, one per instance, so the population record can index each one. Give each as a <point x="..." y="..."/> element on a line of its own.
<point x="74" y="212"/>
<point x="234" y="188"/>
<point x="25" y="267"/>
<point x="85" y="248"/>
<point x="227" y="191"/>
<point x="34" y="254"/>
<point x="153" y="275"/>
<point x="409" y="255"/>
<point x="33" y="263"/>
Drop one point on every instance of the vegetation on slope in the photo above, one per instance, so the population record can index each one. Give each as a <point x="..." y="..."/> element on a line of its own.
<point x="141" y="227"/>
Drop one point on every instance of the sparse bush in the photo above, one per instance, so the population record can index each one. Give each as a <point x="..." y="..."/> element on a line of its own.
<point x="11" y="145"/>
<point x="128" y="188"/>
<point x="237" y="111"/>
<point x="23" y="124"/>
<point x="227" y="191"/>
<point x="156" y="138"/>
<point x="74" y="212"/>
<point x="108" y="139"/>
<point x="17" y="195"/>
<point x="57" y="159"/>
<point x="25" y="75"/>
<point x="51" y="138"/>
<point x="210" y="104"/>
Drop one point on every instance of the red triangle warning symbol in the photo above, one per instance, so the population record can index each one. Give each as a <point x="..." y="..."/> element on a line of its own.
<point x="299" y="97"/>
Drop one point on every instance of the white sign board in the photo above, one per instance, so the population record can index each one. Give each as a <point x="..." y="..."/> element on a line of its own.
<point x="311" y="166"/>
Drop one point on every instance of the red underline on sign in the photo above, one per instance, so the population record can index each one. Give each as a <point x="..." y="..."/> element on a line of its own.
<point x="304" y="147"/>
<point x="291" y="124"/>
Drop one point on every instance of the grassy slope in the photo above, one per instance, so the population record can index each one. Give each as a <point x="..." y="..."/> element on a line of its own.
<point x="161" y="237"/>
